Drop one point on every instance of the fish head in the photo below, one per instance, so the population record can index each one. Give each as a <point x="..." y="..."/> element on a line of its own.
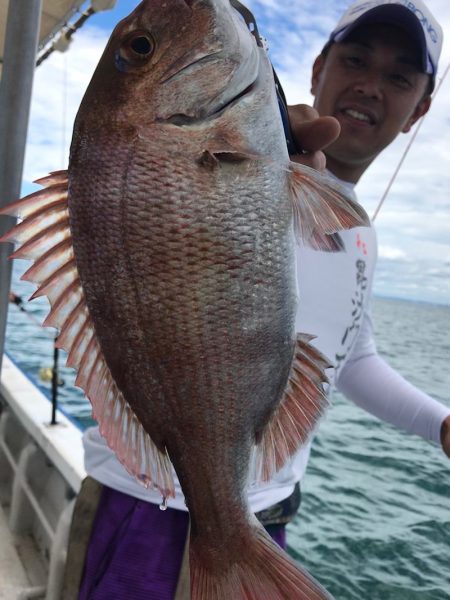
<point x="172" y="61"/>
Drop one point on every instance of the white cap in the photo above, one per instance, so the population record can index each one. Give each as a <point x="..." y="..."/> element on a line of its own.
<point x="414" y="17"/>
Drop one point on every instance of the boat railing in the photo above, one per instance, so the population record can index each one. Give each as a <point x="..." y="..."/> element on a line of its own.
<point x="41" y="470"/>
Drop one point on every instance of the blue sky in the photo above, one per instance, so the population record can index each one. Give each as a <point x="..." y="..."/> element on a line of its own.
<point x="414" y="225"/>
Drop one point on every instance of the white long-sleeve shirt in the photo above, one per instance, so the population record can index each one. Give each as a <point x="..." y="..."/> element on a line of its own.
<point x="334" y="306"/>
<point x="372" y="384"/>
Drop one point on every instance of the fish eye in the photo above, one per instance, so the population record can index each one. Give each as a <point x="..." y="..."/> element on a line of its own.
<point x="141" y="45"/>
<point x="135" y="50"/>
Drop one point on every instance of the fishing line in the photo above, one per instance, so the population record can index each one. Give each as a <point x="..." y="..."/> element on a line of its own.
<point x="46" y="374"/>
<point x="18" y="301"/>
<point x="408" y="147"/>
<point x="64" y="110"/>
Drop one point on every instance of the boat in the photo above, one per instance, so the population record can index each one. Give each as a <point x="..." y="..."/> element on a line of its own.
<point x="41" y="470"/>
<point x="41" y="454"/>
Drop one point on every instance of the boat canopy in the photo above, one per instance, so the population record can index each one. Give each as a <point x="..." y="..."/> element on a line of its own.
<point x="54" y="16"/>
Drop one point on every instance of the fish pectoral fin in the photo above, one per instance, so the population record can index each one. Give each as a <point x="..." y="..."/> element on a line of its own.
<point x="297" y="415"/>
<point x="45" y="237"/>
<point x="321" y="209"/>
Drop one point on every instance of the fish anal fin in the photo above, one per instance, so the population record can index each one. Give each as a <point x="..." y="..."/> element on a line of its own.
<point x="321" y="209"/>
<point x="298" y="413"/>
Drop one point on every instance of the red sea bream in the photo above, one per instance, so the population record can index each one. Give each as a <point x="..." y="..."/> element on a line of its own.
<point x="167" y="251"/>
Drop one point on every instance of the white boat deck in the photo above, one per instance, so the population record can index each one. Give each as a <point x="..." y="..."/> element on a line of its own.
<point x="41" y="470"/>
<point x="12" y="572"/>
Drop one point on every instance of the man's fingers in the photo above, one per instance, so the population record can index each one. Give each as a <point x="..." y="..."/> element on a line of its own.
<point x="315" y="135"/>
<point x="445" y="436"/>
<point x="311" y="132"/>
<point x="311" y="135"/>
<point x="299" y="113"/>
<point x="315" y="160"/>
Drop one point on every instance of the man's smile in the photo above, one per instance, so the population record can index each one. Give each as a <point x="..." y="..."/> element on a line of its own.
<point x="360" y="114"/>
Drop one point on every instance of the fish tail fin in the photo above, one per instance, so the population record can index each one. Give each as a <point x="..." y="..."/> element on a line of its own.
<point x="322" y="208"/>
<point x="263" y="571"/>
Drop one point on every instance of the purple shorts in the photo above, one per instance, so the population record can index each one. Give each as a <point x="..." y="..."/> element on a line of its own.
<point x="135" y="550"/>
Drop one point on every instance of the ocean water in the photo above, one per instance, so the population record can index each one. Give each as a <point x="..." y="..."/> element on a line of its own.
<point x="375" y="521"/>
<point x="375" y="518"/>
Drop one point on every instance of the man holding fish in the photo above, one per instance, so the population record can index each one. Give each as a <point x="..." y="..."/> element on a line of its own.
<point x="372" y="81"/>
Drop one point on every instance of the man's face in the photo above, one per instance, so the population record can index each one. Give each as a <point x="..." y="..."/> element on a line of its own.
<point x="374" y="87"/>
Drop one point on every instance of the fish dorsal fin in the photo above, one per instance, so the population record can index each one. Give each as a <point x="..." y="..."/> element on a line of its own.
<point x="44" y="236"/>
<point x="295" y="419"/>
<point x="322" y="208"/>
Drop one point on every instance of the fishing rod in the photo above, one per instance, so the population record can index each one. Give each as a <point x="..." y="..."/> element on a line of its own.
<point x="250" y="20"/>
<point x="407" y="149"/>
<point x="18" y="301"/>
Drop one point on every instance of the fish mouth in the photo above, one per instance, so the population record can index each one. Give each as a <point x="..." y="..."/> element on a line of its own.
<point x="219" y="72"/>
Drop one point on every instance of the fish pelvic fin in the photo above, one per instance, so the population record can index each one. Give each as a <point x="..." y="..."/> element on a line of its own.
<point x="303" y="404"/>
<point x="263" y="572"/>
<point x="321" y="209"/>
<point x="44" y="236"/>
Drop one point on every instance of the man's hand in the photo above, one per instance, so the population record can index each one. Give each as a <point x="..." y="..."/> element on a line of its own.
<point x="445" y="436"/>
<point x="312" y="134"/>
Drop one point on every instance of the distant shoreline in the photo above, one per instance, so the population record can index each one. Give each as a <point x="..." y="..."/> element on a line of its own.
<point x="412" y="300"/>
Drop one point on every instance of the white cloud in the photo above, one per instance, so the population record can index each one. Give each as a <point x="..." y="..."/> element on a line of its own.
<point x="391" y="253"/>
<point x="414" y="223"/>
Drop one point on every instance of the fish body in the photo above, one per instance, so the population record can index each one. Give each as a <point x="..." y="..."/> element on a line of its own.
<point x="167" y="253"/>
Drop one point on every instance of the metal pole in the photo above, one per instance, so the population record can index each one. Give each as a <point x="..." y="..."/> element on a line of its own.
<point x="55" y="377"/>
<point x="22" y="34"/>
